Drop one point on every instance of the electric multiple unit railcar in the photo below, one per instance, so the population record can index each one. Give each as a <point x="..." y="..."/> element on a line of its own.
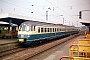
<point x="8" y="32"/>
<point x="31" y="32"/>
<point x="4" y="32"/>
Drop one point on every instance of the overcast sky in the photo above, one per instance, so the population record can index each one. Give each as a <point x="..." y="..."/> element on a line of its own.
<point x="56" y="8"/>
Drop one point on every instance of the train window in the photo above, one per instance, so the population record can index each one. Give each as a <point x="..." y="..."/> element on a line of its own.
<point x="48" y="29"/>
<point x="31" y="27"/>
<point x="53" y="29"/>
<point x="57" y="29"/>
<point x="13" y="28"/>
<point x="34" y="28"/>
<point x="45" y="29"/>
<point x="23" y="28"/>
<point x="39" y="30"/>
<point x="27" y="28"/>
<point x="20" y="27"/>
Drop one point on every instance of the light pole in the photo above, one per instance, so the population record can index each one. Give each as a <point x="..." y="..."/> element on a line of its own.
<point x="47" y="15"/>
<point x="77" y="23"/>
<point x="63" y="21"/>
<point x="69" y="23"/>
<point x="65" y="25"/>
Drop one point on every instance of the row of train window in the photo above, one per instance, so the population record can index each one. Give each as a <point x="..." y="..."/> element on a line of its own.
<point x="50" y="29"/>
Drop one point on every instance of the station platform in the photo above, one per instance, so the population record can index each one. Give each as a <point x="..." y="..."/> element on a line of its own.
<point x="63" y="51"/>
<point x="6" y="41"/>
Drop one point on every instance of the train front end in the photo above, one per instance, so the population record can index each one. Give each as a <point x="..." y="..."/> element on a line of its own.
<point x="24" y="34"/>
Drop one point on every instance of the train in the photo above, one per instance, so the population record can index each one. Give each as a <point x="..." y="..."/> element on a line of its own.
<point x="8" y="31"/>
<point x="4" y="32"/>
<point x="32" y="32"/>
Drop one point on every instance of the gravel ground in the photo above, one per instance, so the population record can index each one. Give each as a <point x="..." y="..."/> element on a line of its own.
<point x="58" y="48"/>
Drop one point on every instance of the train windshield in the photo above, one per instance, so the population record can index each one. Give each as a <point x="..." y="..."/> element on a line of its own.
<point x="25" y="28"/>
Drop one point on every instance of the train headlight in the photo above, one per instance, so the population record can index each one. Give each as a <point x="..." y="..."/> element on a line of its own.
<point x="21" y="40"/>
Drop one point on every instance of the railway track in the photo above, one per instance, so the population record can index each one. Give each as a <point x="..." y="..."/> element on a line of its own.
<point x="26" y="53"/>
<point x="8" y="46"/>
<point x="11" y="51"/>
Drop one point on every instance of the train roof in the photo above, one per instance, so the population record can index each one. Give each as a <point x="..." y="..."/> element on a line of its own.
<point x="38" y="23"/>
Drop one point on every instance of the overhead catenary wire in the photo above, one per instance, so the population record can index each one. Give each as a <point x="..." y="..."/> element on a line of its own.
<point x="45" y="7"/>
<point x="24" y="8"/>
<point x="54" y="7"/>
<point x="72" y="5"/>
<point x="20" y="6"/>
<point x="58" y="8"/>
<point x="63" y="11"/>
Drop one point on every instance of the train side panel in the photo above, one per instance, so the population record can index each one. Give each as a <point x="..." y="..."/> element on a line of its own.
<point x="30" y="37"/>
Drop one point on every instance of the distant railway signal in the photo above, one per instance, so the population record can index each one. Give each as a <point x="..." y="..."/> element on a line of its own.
<point x="80" y="13"/>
